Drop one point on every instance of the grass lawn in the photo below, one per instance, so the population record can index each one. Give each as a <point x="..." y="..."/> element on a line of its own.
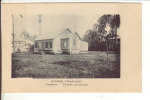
<point x="89" y="65"/>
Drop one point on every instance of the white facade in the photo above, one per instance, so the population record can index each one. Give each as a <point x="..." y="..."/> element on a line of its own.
<point x="83" y="46"/>
<point x="20" y="46"/>
<point x="65" y="40"/>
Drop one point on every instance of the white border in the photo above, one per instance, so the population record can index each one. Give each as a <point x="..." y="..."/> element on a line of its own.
<point x="104" y="96"/>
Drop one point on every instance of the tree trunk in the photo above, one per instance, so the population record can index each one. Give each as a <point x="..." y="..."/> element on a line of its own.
<point x="115" y="39"/>
<point x="107" y="52"/>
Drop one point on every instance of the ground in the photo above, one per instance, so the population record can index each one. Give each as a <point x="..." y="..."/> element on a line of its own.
<point x="93" y="64"/>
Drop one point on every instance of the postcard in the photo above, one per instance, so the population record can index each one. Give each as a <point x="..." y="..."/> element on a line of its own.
<point x="71" y="47"/>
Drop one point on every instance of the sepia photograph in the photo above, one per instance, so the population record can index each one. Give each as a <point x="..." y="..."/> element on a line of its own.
<point x="66" y="46"/>
<point x="84" y="47"/>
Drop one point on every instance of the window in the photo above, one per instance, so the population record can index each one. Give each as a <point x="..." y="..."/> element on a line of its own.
<point x="46" y="44"/>
<point x="65" y="44"/>
<point x="50" y="44"/>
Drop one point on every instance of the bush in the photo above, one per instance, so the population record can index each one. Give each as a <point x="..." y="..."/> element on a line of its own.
<point x="49" y="52"/>
<point x="31" y="48"/>
<point x="66" y="52"/>
<point x="46" y="52"/>
<point x="18" y="50"/>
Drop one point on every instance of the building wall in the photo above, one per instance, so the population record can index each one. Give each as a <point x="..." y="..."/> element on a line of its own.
<point x="20" y="46"/>
<point x="56" y="46"/>
<point x="57" y="41"/>
<point x="41" y="45"/>
<point x="74" y="43"/>
<point x="83" y="46"/>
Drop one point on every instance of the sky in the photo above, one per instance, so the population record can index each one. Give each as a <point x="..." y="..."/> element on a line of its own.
<point x="52" y="24"/>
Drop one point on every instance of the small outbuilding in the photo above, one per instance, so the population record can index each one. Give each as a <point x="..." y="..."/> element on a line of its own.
<point x="19" y="45"/>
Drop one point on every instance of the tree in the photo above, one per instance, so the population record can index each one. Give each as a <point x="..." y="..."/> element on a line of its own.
<point x="27" y="36"/>
<point x="115" y="24"/>
<point x="31" y="47"/>
<point x="105" y="28"/>
<point x="92" y="38"/>
<point x="113" y="21"/>
<point x="97" y="36"/>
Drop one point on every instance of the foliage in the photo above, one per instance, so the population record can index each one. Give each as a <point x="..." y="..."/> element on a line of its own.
<point x="18" y="50"/>
<point x="27" y="36"/>
<point x="104" y="29"/>
<point x="31" y="47"/>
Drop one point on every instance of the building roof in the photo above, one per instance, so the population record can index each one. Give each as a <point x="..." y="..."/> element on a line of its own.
<point x="54" y="35"/>
<point x="78" y="35"/>
<point x="46" y="36"/>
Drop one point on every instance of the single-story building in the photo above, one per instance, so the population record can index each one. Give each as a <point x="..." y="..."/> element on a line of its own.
<point x="19" y="45"/>
<point x="63" y="41"/>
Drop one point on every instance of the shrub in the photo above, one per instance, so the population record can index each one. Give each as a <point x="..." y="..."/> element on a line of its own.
<point x="66" y="52"/>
